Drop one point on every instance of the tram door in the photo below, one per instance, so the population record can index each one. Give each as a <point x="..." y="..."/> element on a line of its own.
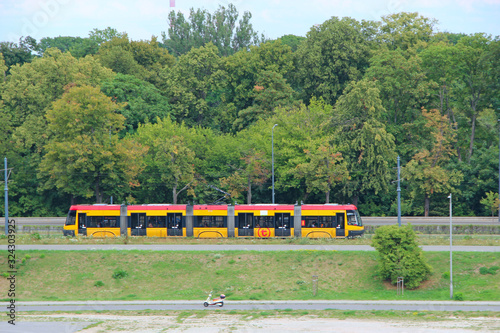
<point x="245" y="224"/>
<point x="138" y="224"/>
<point x="174" y="224"/>
<point x="340" y="225"/>
<point x="82" y="224"/>
<point x="282" y="223"/>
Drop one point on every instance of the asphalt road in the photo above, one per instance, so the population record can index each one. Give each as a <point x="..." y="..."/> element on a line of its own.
<point x="259" y="305"/>
<point x="240" y="247"/>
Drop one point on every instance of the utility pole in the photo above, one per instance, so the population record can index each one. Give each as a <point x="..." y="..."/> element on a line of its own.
<point x="6" y="198"/>
<point x="399" y="194"/>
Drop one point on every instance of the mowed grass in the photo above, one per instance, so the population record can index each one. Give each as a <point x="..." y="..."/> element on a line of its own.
<point x="241" y="275"/>
<point x="423" y="239"/>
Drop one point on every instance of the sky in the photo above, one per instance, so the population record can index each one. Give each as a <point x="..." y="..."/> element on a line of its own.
<point x="142" y="19"/>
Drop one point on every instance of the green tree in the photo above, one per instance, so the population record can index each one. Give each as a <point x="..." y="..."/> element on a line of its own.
<point x="193" y="86"/>
<point x="300" y="133"/>
<point x="170" y="163"/>
<point x="333" y="54"/>
<point x="77" y="46"/>
<point x="143" y="59"/>
<point x="31" y="88"/>
<point x="100" y="36"/>
<point x="427" y="168"/>
<point x="322" y="169"/>
<point x="222" y="28"/>
<point x="366" y="145"/>
<point x="404" y="30"/>
<point x="20" y="53"/>
<point x="264" y="66"/>
<point x="253" y="171"/>
<point x="402" y="83"/>
<point x="144" y="102"/>
<point x="269" y="92"/>
<point x="84" y="156"/>
<point x="3" y="68"/>
<point x="476" y="74"/>
<point x="491" y="202"/>
<point x="292" y="41"/>
<point x="400" y="256"/>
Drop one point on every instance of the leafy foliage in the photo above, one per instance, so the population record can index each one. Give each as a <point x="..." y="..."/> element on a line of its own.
<point x="400" y="256"/>
<point x="222" y="28"/>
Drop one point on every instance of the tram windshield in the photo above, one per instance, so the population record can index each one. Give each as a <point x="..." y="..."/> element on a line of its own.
<point x="353" y="218"/>
<point x="71" y="218"/>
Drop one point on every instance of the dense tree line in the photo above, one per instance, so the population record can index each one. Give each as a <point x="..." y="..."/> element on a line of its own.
<point x="87" y="119"/>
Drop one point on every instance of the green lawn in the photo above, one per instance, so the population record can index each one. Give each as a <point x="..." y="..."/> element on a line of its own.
<point x="423" y="239"/>
<point x="166" y="275"/>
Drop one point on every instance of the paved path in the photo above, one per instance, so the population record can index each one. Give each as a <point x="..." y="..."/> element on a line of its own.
<point x="258" y="305"/>
<point x="239" y="247"/>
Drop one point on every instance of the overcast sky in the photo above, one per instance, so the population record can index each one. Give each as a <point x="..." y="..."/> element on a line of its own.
<point x="142" y="19"/>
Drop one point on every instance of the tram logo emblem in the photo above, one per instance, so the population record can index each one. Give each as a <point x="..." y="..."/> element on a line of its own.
<point x="264" y="232"/>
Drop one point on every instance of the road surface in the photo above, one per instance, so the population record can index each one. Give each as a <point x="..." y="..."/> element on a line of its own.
<point x="258" y="305"/>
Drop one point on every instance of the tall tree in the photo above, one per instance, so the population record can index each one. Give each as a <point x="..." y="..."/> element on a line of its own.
<point x="193" y="86"/>
<point x="84" y="156"/>
<point x="222" y="28"/>
<point x="333" y="54"/>
<point x="20" y="53"/>
<point x="143" y="59"/>
<point x="476" y="75"/>
<point x="366" y="145"/>
<point x="253" y="171"/>
<point x="144" y="102"/>
<point x="323" y="169"/>
<point x="170" y="163"/>
<point x="404" y="30"/>
<point x="427" y="170"/>
<point x="77" y="46"/>
<point x="269" y="92"/>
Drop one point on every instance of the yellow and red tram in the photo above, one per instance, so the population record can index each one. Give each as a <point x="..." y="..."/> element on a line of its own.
<point x="213" y="221"/>
<point x="264" y="220"/>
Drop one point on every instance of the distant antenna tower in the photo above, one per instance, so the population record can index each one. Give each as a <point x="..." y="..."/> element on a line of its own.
<point x="172" y="5"/>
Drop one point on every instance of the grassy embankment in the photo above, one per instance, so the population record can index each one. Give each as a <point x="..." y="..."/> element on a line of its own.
<point x="166" y="275"/>
<point x="423" y="239"/>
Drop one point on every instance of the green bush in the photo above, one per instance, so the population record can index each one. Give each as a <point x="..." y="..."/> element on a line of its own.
<point x="400" y="255"/>
<point x="99" y="283"/>
<point x="458" y="297"/>
<point x="484" y="270"/>
<point x="119" y="274"/>
<point x="36" y="236"/>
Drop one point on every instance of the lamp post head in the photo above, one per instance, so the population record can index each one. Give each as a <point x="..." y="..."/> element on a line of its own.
<point x="275" y="125"/>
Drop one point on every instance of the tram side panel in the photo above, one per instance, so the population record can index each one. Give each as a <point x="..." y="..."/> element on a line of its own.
<point x="210" y="221"/>
<point x="264" y="220"/>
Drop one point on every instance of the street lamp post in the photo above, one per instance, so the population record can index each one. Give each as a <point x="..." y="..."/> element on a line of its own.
<point x="272" y="154"/>
<point x="451" y="252"/>
<point x="399" y="194"/>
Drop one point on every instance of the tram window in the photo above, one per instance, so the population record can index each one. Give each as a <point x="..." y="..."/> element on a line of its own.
<point x="71" y="219"/>
<point x="311" y="221"/>
<point x="340" y="221"/>
<point x="156" y="221"/>
<point x="264" y="222"/>
<point x="245" y="221"/>
<point x="326" y="221"/>
<point x="210" y="222"/>
<point x="353" y="218"/>
<point x="102" y="221"/>
<point x="319" y="221"/>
